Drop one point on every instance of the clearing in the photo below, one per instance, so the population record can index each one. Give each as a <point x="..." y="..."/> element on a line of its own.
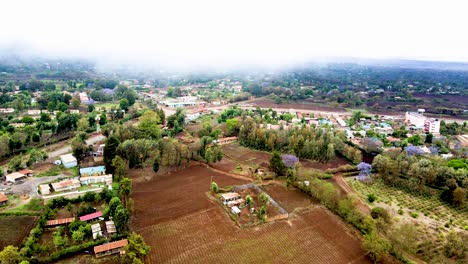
<point x="13" y="229"/>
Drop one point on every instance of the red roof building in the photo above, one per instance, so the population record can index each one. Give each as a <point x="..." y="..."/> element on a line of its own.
<point x="110" y="248"/>
<point x="92" y="216"/>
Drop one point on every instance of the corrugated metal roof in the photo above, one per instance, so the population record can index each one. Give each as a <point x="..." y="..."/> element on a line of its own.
<point x="91" y="216"/>
<point x="3" y="198"/>
<point x="92" y="170"/>
<point x="60" y="221"/>
<point x="110" y="246"/>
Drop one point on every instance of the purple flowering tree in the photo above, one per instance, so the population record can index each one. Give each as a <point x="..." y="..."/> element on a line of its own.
<point x="289" y="160"/>
<point x="414" y="150"/>
<point x="364" y="170"/>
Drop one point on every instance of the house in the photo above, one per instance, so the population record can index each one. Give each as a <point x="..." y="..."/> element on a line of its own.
<point x="34" y="112"/>
<point x="92" y="171"/>
<point x="96" y="229"/>
<point x="44" y="189"/>
<point x="231" y="199"/>
<point x="66" y="185"/>
<point x="99" y="151"/>
<point x="3" y="199"/>
<point x="68" y="161"/>
<point x="90" y="217"/>
<point x="224" y="141"/>
<point x="107" y="179"/>
<point x="14" y="177"/>
<point x="110" y="248"/>
<point x="59" y="222"/>
<point x="419" y="121"/>
<point x="110" y="227"/>
<point x="7" y="110"/>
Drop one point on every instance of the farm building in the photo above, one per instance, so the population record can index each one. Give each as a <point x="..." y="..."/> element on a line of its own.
<point x="110" y="248"/>
<point x="231" y="199"/>
<point x="96" y="229"/>
<point x="27" y="172"/>
<point x="107" y="179"/>
<point x="90" y="217"/>
<point x="68" y="161"/>
<point x="235" y="210"/>
<point x="3" y="199"/>
<point x="44" y="189"/>
<point x="66" y="185"/>
<point x="226" y="140"/>
<point x="92" y="171"/>
<point x="15" y="176"/>
<point x="110" y="227"/>
<point x="59" y="222"/>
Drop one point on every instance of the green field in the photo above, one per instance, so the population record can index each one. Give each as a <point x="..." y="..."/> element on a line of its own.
<point x="427" y="205"/>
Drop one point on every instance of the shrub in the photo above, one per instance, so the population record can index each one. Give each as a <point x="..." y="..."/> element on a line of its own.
<point x="379" y="212"/>
<point x="414" y="214"/>
<point x="214" y="187"/>
<point x="371" y="197"/>
<point x="400" y="211"/>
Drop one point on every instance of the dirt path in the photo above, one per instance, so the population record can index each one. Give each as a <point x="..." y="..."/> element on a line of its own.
<point x="338" y="178"/>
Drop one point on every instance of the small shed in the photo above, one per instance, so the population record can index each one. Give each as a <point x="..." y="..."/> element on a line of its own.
<point x="68" y="161"/>
<point x="96" y="229"/>
<point x="110" y="248"/>
<point x="3" y="199"/>
<point x="44" y="189"/>
<point x="14" y="177"/>
<point x="235" y="210"/>
<point x="110" y="227"/>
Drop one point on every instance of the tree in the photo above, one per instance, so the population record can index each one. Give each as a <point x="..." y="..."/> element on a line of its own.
<point x="83" y="124"/>
<point x="289" y="160"/>
<point x="136" y="249"/>
<point x="120" y="218"/>
<point x="124" y="104"/>
<point x="79" y="147"/>
<point x="372" y="144"/>
<point x="110" y="151"/>
<point x="75" y="102"/>
<point x="113" y="204"/>
<point x="459" y="196"/>
<point x="231" y="125"/>
<point x="125" y="189"/>
<point x="91" y="108"/>
<point x="375" y="246"/>
<point x="379" y="212"/>
<point x="149" y="124"/>
<point x="119" y="168"/>
<point x="78" y="236"/>
<point x="263" y="198"/>
<point x="404" y="238"/>
<point x="214" y="187"/>
<point x="455" y="245"/>
<point x="156" y="165"/>
<point x="9" y="255"/>
<point x="248" y="200"/>
<point x="429" y="138"/>
<point x="276" y="164"/>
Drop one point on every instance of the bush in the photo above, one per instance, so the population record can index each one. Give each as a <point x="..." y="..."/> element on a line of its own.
<point x="214" y="187"/>
<point x="414" y="214"/>
<point x="379" y="212"/>
<point x="371" y="197"/>
<point x="400" y="211"/>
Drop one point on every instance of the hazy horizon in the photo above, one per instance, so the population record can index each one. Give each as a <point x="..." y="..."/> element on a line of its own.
<point x="211" y="34"/>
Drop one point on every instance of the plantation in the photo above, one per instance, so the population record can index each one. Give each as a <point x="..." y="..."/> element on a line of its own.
<point x="413" y="204"/>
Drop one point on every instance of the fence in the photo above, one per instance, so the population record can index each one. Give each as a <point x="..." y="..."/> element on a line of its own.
<point x="284" y="214"/>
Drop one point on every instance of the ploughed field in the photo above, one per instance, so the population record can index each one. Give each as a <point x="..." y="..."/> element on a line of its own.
<point x="13" y="229"/>
<point x="182" y="225"/>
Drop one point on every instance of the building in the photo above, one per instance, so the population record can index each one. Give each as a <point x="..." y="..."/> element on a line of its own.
<point x="44" y="189"/>
<point x="106" y="178"/>
<point x="224" y="141"/>
<point x="59" y="222"/>
<point x="110" y="248"/>
<point x="27" y="172"/>
<point x="110" y="227"/>
<point x="7" y="110"/>
<point x="66" y="185"/>
<point x="3" y="199"/>
<point x="96" y="229"/>
<point x="68" y="161"/>
<point x="235" y="210"/>
<point x="15" y="176"/>
<point x="431" y="125"/>
<point x="90" y="217"/>
<point x="231" y="199"/>
<point x="92" y="171"/>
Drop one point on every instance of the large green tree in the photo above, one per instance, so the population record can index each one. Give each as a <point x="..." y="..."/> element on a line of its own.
<point x="276" y="164"/>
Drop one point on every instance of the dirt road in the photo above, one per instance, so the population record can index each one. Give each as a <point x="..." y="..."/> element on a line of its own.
<point x="68" y="149"/>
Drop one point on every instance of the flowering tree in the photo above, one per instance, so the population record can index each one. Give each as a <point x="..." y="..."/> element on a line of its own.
<point x="289" y="160"/>
<point x="364" y="170"/>
<point x="414" y="150"/>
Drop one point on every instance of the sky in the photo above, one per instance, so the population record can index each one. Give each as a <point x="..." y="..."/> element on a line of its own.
<point x="200" y="33"/>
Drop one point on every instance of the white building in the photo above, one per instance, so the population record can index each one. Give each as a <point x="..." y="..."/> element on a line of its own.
<point x="69" y="161"/>
<point x="15" y="176"/>
<point x="430" y="125"/>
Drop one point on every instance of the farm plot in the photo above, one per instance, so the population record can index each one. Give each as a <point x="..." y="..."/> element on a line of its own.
<point x="246" y="156"/>
<point x="429" y="206"/>
<point x="182" y="225"/>
<point x="289" y="199"/>
<point x="13" y="229"/>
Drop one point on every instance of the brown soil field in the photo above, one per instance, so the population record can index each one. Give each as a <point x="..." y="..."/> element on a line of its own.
<point x="182" y="225"/>
<point x="288" y="198"/>
<point x="298" y="105"/>
<point x="13" y="229"/>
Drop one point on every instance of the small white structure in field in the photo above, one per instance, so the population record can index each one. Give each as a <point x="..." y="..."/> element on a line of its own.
<point x="306" y="183"/>
<point x="69" y="161"/>
<point x="235" y="210"/>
